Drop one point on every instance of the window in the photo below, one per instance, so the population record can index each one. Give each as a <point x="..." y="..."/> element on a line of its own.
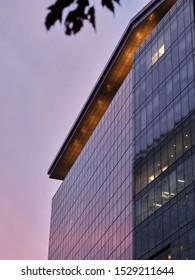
<point x="180" y="177"/>
<point x="157" y="53"/>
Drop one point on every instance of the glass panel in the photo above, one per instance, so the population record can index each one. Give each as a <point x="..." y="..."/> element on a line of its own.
<point x="149" y="137"/>
<point x="170" y="120"/>
<point x="142" y="66"/>
<point x="143" y="118"/>
<point x="150" y="170"/>
<point x="161" y="71"/>
<point x="193" y="166"/>
<point x="143" y="176"/>
<point x="157" y="165"/>
<point x="167" y="38"/>
<point x="144" y="207"/>
<point x="186" y="138"/>
<point x="151" y="204"/>
<point x="149" y="84"/>
<point x="156" y="132"/>
<point x="187" y="15"/>
<point x="180" y="177"/>
<point x="182" y="211"/>
<point x="168" y="63"/>
<point x="172" y="183"/>
<point x="138" y="212"/>
<point x="154" y="53"/>
<point x="190" y="205"/>
<point x="177" y="112"/>
<point x="164" y="158"/>
<point x="169" y="91"/>
<point x="159" y="229"/>
<point x="158" y="196"/>
<point x="162" y="99"/>
<point x="182" y="49"/>
<point x="191" y="243"/>
<point x="149" y="111"/>
<point x="137" y="124"/>
<point x="193" y="132"/>
<point x="143" y="91"/>
<point x="137" y="180"/>
<point x="165" y="190"/>
<point x="176" y="85"/>
<point x="148" y="59"/>
<point x="163" y="126"/>
<point x="156" y="105"/>
<point x="151" y="231"/>
<point x="180" y="23"/>
<point x="189" y="42"/>
<point x="144" y="240"/>
<point x="188" y="171"/>
<point x="174" y="218"/>
<point x="137" y="98"/>
<point x="166" y="224"/>
<point x="179" y="144"/>
<point x="183" y="77"/>
<point x="173" y="30"/>
<point x="192" y="99"/>
<point x="171" y="151"/>
<point x="190" y="71"/>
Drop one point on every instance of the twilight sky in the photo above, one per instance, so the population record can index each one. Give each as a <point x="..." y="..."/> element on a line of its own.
<point x="45" y="78"/>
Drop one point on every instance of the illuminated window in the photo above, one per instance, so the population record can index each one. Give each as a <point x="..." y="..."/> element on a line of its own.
<point x="158" y="54"/>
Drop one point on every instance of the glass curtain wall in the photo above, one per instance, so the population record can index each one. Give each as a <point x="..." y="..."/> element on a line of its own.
<point x="164" y="138"/>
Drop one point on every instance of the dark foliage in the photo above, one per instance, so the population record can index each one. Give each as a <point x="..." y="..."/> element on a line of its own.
<point x="82" y="10"/>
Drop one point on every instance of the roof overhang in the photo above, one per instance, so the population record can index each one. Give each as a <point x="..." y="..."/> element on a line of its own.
<point x="108" y="84"/>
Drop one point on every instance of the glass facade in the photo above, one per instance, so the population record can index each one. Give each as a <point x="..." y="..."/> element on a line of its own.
<point x="130" y="194"/>
<point x="164" y="139"/>
<point x="92" y="209"/>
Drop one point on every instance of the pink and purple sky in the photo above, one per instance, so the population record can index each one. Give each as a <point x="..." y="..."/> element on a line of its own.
<point x="45" y="78"/>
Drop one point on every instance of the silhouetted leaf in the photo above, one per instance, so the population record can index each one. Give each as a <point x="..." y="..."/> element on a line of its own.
<point x="56" y="12"/>
<point x="91" y="16"/>
<point x="82" y="4"/>
<point x="108" y="4"/>
<point x="74" y="21"/>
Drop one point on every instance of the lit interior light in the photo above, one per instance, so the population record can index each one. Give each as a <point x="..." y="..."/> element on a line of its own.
<point x="151" y="17"/>
<point x="109" y="87"/>
<point x="181" y="181"/>
<point x="138" y="35"/>
<point x="158" y="205"/>
<point x="174" y="145"/>
<point x="155" y="58"/>
<point x="165" y="194"/>
<point x="186" y="135"/>
<point x="164" y="168"/>
<point x="161" y="50"/>
<point x="186" y="147"/>
<point x="151" y="178"/>
<point x="84" y="130"/>
<point x="158" y="54"/>
<point x="169" y="257"/>
<point x="171" y="155"/>
<point x="158" y="164"/>
<point x="172" y="194"/>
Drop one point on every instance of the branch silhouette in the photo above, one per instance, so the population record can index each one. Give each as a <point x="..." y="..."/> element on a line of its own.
<point x="79" y="11"/>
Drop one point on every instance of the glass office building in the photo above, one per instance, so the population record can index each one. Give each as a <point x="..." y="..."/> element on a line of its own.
<point x="128" y="164"/>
